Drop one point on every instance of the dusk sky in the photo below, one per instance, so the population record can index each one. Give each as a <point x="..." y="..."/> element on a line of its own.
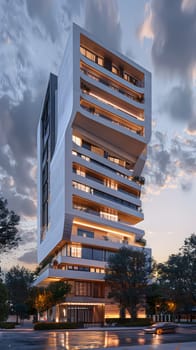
<point x="159" y="35"/>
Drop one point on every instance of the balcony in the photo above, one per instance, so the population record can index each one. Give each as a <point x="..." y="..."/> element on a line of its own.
<point x="135" y="97"/>
<point x="106" y="211"/>
<point x="113" y="119"/>
<point x="112" y="67"/>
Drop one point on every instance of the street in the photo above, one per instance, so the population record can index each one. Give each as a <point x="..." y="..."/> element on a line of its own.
<point x="28" y="339"/>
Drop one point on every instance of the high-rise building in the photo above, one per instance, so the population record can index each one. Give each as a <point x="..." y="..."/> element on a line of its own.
<point x="92" y="138"/>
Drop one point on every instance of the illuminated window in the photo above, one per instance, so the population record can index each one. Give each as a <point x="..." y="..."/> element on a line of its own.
<point x="108" y="216"/>
<point x="82" y="50"/>
<point x="77" y="140"/>
<point x="76" y="251"/>
<point x="85" y="233"/>
<point x="114" y="70"/>
<point x="111" y="183"/>
<point x="80" y="172"/>
<point x="100" y="61"/>
<point x="85" y="157"/>
<point x="81" y="187"/>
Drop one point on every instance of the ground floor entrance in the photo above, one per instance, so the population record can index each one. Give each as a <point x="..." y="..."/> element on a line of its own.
<point x="80" y="313"/>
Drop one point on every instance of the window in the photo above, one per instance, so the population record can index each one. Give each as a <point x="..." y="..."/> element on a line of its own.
<point x="108" y="216"/>
<point x="114" y="69"/>
<point x="82" y="288"/>
<point x="98" y="254"/>
<point x="77" y="140"/>
<point x="111" y="183"/>
<point x="81" y="187"/>
<point x="87" y="253"/>
<point x="80" y="172"/>
<point x="100" y="60"/>
<point x="85" y="233"/>
<point x="76" y="251"/>
<point x="95" y="290"/>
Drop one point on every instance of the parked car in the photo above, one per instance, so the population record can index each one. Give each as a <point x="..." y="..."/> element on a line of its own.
<point x="161" y="327"/>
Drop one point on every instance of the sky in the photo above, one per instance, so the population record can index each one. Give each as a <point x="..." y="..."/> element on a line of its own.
<point x="157" y="34"/>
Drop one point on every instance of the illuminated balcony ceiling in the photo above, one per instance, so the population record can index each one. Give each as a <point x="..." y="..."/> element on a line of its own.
<point x="110" y="135"/>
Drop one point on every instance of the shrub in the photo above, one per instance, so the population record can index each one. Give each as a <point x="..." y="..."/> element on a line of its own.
<point x="7" y="325"/>
<point x="57" y="325"/>
<point x="128" y="322"/>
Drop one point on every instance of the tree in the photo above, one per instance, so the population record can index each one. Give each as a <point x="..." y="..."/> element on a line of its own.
<point x="42" y="299"/>
<point x="188" y="251"/>
<point x="3" y="302"/>
<point x="18" y="281"/>
<point x="58" y="291"/>
<point x="8" y="227"/>
<point x="127" y="276"/>
<point x="178" y="276"/>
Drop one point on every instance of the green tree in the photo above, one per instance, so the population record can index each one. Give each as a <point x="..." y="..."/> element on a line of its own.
<point x="18" y="281"/>
<point x="178" y="276"/>
<point x="3" y="302"/>
<point x="58" y="291"/>
<point x="42" y="299"/>
<point x="127" y="276"/>
<point x="8" y="227"/>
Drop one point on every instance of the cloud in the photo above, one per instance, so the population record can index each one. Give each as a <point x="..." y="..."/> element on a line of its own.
<point x="29" y="257"/>
<point x="171" y="26"/>
<point x="46" y="11"/>
<point x="170" y="165"/>
<point x="145" y="30"/>
<point x="28" y="236"/>
<point x="30" y="32"/>
<point x="174" y="32"/>
<point x="102" y="19"/>
<point x="54" y="15"/>
<point x="179" y="103"/>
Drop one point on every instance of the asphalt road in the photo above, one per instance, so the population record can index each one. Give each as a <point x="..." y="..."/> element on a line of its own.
<point x="27" y="339"/>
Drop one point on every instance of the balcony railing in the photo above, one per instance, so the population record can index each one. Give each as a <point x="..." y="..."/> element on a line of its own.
<point x="113" y="86"/>
<point x="86" y="90"/>
<point x="137" y="179"/>
<point x="101" y="115"/>
<point x="114" y="69"/>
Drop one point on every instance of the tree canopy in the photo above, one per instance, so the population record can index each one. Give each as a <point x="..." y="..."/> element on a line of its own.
<point x="43" y="299"/>
<point x="176" y="278"/>
<point x="18" y="281"/>
<point x="3" y="302"/>
<point x="9" y="221"/>
<point x="127" y="277"/>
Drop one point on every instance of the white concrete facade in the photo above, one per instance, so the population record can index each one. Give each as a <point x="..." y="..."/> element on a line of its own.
<point x="92" y="138"/>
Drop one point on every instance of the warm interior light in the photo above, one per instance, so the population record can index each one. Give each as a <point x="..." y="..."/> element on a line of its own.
<point x="123" y="234"/>
<point x="114" y="105"/>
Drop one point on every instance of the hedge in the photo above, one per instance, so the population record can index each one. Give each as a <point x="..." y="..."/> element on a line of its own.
<point x="128" y="322"/>
<point x="56" y="325"/>
<point x="7" y="325"/>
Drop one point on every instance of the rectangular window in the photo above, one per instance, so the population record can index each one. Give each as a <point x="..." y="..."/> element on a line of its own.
<point x="85" y="233"/>
<point x="77" y="140"/>
<point x="76" y="251"/>
<point x="98" y="254"/>
<point x="90" y="55"/>
<point x="87" y="253"/>
<point x="82" y="50"/>
<point x="100" y="61"/>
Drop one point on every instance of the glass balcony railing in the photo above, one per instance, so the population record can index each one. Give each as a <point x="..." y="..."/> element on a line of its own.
<point x="133" y="97"/>
<point x="101" y="115"/>
<point x="105" y="195"/>
<point x="86" y="90"/>
<point x="113" y="68"/>
<point x="140" y="180"/>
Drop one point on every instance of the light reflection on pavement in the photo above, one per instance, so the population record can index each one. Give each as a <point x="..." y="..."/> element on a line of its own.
<point x="94" y="339"/>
